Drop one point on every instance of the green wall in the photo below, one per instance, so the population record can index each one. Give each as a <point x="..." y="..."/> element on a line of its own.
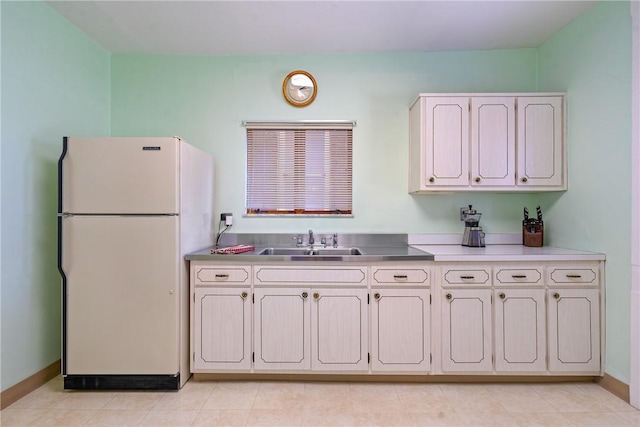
<point x="55" y="82"/>
<point x="205" y="100"/>
<point x="591" y="60"/>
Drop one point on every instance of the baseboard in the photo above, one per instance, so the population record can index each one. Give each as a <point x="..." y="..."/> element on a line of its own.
<point x="615" y="386"/>
<point x="30" y="384"/>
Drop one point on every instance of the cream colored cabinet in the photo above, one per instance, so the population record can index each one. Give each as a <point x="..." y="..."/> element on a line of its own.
<point x="574" y="311"/>
<point x="487" y="142"/>
<point x="339" y="330"/>
<point x="439" y="148"/>
<point x="466" y="330"/>
<point x="541" y="163"/>
<point x="493" y="141"/>
<point x="400" y="330"/>
<point x="311" y="318"/>
<point x="222" y="329"/>
<point x="281" y="328"/>
<point x="520" y="330"/>
<point x="401" y="318"/>
<point x="220" y="317"/>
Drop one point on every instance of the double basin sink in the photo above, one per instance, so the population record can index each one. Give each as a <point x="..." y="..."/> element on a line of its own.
<point x="319" y="251"/>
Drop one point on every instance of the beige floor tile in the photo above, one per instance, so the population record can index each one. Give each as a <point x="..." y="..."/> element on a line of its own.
<point x="64" y="417"/>
<point x="280" y="396"/>
<point x="271" y="417"/>
<point x="187" y="399"/>
<point x="85" y="400"/>
<point x="631" y="417"/>
<point x="230" y="399"/>
<point x="115" y="417"/>
<point x="169" y="418"/>
<point x="600" y="419"/>
<point x="134" y="401"/>
<point x="521" y="403"/>
<point x="495" y="419"/>
<point x="18" y="417"/>
<point x="420" y="398"/>
<point x="543" y="420"/>
<point x="221" y="417"/>
<point x="434" y="419"/>
<point x="327" y="418"/>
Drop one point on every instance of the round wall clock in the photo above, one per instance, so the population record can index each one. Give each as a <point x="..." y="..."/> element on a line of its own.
<point x="299" y="88"/>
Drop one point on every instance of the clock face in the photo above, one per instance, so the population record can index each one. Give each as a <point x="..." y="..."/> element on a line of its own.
<point x="299" y="88"/>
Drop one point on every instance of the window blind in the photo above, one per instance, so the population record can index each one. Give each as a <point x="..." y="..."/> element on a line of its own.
<point x="295" y="168"/>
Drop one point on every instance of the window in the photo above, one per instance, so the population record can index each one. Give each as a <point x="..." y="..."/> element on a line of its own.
<point x="299" y="168"/>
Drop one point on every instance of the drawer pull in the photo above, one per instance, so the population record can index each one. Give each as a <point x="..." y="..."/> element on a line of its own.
<point x="519" y="276"/>
<point x="400" y="276"/>
<point x="556" y="295"/>
<point x="376" y="295"/>
<point x="316" y="295"/>
<point x="448" y="296"/>
<point x="502" y="295"/>
<point x="244" y="295"/>
<point x="467" y="277"/>
<point x="304" y="295"/>
<point x="222" y="276"/>
<point x="574" y="276"/>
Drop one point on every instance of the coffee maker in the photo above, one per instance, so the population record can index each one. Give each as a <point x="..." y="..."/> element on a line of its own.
<point x="473" y="235"/>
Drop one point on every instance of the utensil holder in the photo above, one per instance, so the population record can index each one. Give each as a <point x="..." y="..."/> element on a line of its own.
<point x="533" y="236"/>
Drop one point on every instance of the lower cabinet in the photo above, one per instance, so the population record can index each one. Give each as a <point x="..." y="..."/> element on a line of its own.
<point x="305" y="328"/>
<point x="222" y="329"/>
<point x="520" y="330"/>
<point x="537" y="318"/>
<point x="466" y="330"/>
<point x="400" y="330"/>
<point x="574" y="330"/>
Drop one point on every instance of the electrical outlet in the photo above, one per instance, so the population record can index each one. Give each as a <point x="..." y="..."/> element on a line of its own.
<point x="227" y="218"/>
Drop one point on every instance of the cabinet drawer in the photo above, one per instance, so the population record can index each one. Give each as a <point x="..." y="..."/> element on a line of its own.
<point x="463" y="276"/>
<point x="238" y="275"/>
<point x="573" y="275"/>
<point x="400" y="276"/>
<point x="519" y="276"/>
<point x="300" y="276"/>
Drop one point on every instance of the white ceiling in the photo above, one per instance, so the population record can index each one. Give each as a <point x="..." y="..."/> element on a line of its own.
<point x="297" y="27"/>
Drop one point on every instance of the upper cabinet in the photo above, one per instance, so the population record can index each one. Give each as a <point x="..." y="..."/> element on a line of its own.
<point x="487" y="142"/>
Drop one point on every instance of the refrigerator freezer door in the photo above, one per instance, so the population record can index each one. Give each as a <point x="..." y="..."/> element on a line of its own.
<point x="121" y="285"/>
<point x="120" y="175"/>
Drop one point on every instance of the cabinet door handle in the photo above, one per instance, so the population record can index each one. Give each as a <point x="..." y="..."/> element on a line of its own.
<point x="502" y="295"/>
<point x="519" y="276"/>
<point x="448" y="296"/>
<point x="574" y="276"/>
<point x="304" y="295"/>
<point x="467" y="277"/>
<point x="432" y="180"/>
<point x="376" y="295"/>
<point x="477" y="179"/>
<point x="556" y="295"/>
<point x="244" y="295"/>
<point x="524" y="179"/>
<point x="400" y="276"/>
<point x="222" y="276"/>
<point x="316" y="295"/>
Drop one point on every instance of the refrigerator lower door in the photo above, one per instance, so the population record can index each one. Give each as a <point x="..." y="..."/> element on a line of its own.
<point x="121" y="295"/>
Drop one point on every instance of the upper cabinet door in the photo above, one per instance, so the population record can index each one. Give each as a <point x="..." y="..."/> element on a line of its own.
<point x="446" y="138"/>
<point x="493" y="141"/>
<point x="540" y="142"/>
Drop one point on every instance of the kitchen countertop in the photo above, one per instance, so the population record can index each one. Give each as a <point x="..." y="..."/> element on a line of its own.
<point x="369" y="254"/>
<point x="492" y="253"/>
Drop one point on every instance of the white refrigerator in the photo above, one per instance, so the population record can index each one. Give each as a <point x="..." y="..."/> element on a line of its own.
<point x="129" y="210"/>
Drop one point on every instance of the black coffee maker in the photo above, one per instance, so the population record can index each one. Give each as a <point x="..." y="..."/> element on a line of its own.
<point x="473" y="235"/>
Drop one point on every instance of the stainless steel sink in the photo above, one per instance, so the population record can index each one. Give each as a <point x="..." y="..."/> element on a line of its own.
<point x="337" y="251"/>
<point x="286" y="251"/>
<point x="310" y="251"/>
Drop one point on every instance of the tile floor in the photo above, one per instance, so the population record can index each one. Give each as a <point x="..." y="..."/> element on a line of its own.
<point x="235" y="403"/>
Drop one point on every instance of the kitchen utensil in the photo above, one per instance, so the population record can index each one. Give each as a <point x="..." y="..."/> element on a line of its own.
<point x="473" y="234"/>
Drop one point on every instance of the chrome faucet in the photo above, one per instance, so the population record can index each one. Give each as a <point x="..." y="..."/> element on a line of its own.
<point x="311" y="239"/>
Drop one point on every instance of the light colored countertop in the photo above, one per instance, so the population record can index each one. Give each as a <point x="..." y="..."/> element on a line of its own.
<point x="492" y="253"/>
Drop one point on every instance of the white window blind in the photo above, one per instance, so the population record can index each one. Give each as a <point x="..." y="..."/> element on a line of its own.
<point x="302" y="168"/>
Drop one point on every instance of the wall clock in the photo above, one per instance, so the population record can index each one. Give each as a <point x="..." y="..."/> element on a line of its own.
<point x="299" y="88"/>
